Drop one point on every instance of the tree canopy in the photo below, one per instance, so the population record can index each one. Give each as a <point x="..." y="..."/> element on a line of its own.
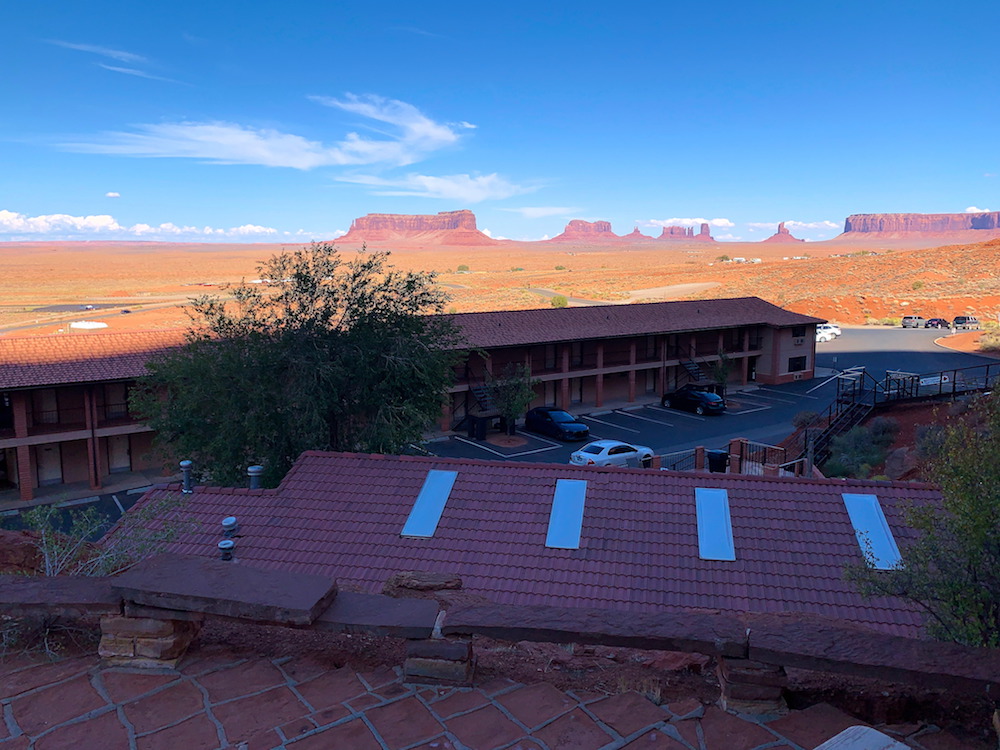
<point x="320" y="353"/>
<point x="951" y="571"/>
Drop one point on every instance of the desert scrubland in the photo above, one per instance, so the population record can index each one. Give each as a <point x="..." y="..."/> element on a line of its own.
<point x="844" y="282"/>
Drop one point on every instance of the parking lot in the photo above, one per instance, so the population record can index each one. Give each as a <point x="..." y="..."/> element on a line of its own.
<point x="759" y="413"/>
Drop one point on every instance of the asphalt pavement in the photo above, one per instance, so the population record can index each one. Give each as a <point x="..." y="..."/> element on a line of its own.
<point x="762" y="414"/>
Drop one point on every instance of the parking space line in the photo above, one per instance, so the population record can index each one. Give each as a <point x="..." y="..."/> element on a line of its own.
<point x="610" y="424"/>
<point x="751" y="411"/>
<point x="553" y="446"/>
<point x="782" y="393"/>
<point x="766" y="397"/>
<point x="675" y="413"/>
<point x="115" y="498"/>
<point x="645" y="419"/>
<point x="80" y="501"/>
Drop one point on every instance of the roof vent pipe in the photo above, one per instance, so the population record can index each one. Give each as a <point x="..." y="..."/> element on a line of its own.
<point x="230" y="527"/>
<point x="226" y="548"/>
<point x="186" y="472"/>
<point x="255" y="473"/>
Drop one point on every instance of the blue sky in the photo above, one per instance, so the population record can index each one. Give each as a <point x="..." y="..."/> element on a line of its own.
<point x="226" y="121"/>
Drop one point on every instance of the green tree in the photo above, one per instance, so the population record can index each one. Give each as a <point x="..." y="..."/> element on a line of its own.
<point x="512" y="392"/>
<point x="322" y="354"/>
<point x="951" y="569"/>
<point x="722" y="368"/>
<point x="560" y="300"/>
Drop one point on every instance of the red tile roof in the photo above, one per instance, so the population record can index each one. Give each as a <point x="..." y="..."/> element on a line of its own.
<point x="550" y="325"/>
<point x="62" y="359"/>
<point x="341" y="515"/>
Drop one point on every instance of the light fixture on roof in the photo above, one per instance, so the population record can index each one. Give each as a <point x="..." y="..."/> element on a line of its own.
<point x="230" y="527"/>
<point x="227" y="547"/>
<point x="186" y="474"/>
<point x="255" y="473"/>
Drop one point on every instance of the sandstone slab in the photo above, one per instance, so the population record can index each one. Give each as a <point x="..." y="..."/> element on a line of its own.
<point x="380" y="615"/>
<point x="198" y="584"/>
<point x="63" y="596"/>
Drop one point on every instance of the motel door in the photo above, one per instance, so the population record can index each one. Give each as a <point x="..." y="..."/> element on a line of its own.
<point x="49" y="459"/>
<point x="119" y="457"/>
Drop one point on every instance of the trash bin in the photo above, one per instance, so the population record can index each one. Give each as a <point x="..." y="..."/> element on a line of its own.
<point x="718" y="461"/>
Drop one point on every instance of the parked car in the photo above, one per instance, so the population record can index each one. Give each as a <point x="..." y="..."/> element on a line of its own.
<point x="611" y="453"/>
<point x="556" y="423"/>
<point x="913" y="321"/>
<point x="936" y="323"/>
<point x="697" y="398"/>
<point x="831" y="328"/>
<point x="823" y="336"/>
<point x="966" y="321"/>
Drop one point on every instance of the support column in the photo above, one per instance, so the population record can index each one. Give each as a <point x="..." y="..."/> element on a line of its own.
<point x="19" y="405"/>
<point x="90" y="418"/>
<point x="564" y="383"/>
<point x="145" y="642"/>
<point x="25" y="474"/>
<point x="750" y="687"/>
<point x="736" y="455"/>
<point x="439" y="662"/>
<point x="599" y="379"/>
<point x="444" y="421"/>
<point x="631" y="373"/>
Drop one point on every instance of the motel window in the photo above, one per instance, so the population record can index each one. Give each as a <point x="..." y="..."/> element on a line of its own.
<point x="798" y="332"/>
<point x="550" y="356"/>
<point x="796" y="364"/>
<point x="576" y="354"/>
<point x="650" y="347"/>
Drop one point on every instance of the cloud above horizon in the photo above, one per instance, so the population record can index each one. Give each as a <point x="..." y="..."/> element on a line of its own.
<point x="460" y="187"/>
<point x="218" y="142"/>
<point x="792" y="224"/>
<point x="974" y="210"/>
<point x="20" y="227"/>
<point x="112" y="194"/>
<point x="696" y="222"/>
<point x="95" y="49"/>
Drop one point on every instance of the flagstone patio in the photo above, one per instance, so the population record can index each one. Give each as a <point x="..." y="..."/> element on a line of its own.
<point x="219" y="698"/>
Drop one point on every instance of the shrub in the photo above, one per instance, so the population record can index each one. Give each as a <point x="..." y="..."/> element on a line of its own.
<point x="560" y="268"/>
<point x="990" y="341"/>
<point x="560" y="301"/>
<point x="890" y="321"/>
<point x="883" y="431"/>
<point x="929" y="440"/>
<point x="516" y="268"/>
<point x="853" y="454"/>
<point x="463" y="268"/>
<point x="918" y="285"/>
<point x="805" y="419"/>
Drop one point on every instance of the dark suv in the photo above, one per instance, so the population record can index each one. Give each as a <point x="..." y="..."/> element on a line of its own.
<point x="697" y="398"/>
<point x="556" y="423"/>
<point x="966" y="321"/>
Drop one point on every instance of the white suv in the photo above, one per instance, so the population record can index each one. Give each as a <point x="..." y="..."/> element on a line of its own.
<point x="827" y="332"/>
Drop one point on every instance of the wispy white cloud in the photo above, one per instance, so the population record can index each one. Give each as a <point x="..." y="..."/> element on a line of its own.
<point x="989" y="174"/>
<point x="675" y="222"/>
<point x="729" y="236"/>
<point x="136" y="73"/>
<point x="94" y="49"/>
<point x="459" y="187"/>
<point x="112" y="195"/>
<point x="974" y="210"/>
<point x="541" y="212"/>
<point x="811" y="225"/>
<point x="17" y="226"/>
<point x="415" y="136"/>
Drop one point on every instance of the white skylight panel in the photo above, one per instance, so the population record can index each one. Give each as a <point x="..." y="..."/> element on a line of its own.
<point x="566" y="517"/>
<point x="429" y="505"/>
<point x="872" y="530"/>
<point x="715" y="527"/>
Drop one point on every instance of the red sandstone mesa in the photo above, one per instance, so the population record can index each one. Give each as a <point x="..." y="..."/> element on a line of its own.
<point x="445" y="228"/>
<point x="917" y="225"/>
<point x="782" y="235"/>
<point x="590" y="231"/>
<point x="687" y="234"/>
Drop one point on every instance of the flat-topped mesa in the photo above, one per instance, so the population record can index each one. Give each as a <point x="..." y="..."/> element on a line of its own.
<point x="636" y="236"/>
<point x="686" y="234"/>
<point x="904" y="225"/>
<point x="782" y="235"/>
<point x="590" y="231"/>
<point x="444" y="228"/>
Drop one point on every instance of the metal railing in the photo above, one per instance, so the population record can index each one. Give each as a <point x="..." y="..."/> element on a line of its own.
<point x="678" y="460"/>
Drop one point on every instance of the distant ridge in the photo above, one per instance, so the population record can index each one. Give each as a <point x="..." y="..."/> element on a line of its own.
<point x="973" y="226"/>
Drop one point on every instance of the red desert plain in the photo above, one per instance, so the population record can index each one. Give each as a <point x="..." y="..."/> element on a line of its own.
<point x="881" y="268"/>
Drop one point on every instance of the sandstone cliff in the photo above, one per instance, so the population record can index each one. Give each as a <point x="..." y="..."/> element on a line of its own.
<point x="687" y="234"/>
<point x="905" y="225"/>
<point x="445" y="228"/>
<point x="782" y="235"/>
<point x="587" y="231"/>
